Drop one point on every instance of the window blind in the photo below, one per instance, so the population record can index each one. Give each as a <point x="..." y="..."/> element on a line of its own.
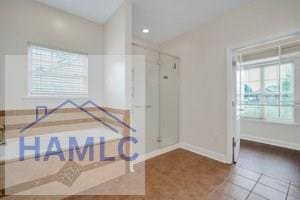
<point x="279" y="49"/>
<point x="56" y="72"/>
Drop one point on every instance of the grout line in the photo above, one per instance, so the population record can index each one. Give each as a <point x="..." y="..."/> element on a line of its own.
<point x="216" y="189"/>
<point x="251" y="191"/>
<point x="230" y="196"/>
<point x="273" y="187"/>
<point x="287" y="194"/>
<point x="239" y="186"/>
<point x="250" y="179"/>
<point x="226" y="180"/>
<point x="280" y="179"/>
<point x="251" y="170"/>
<point x="246" y="177"/>
<point x="262" y="196"/>
<point x="222" y="184"/>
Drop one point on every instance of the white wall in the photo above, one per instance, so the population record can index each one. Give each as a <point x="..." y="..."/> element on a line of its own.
<point x="203" y="65"/>
<point x="117" y="70"/>
<point x="23" y="21"/>
<point x="283" y="135"/>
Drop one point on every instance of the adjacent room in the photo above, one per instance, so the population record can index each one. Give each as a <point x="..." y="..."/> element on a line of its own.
<point x="140" y="99"/>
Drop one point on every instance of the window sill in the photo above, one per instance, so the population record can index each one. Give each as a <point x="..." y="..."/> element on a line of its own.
<point x="270" y="122"/>
<point x="54" y="97"/>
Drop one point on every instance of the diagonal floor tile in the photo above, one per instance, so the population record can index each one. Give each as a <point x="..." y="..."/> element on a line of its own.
<point x="233" y="191"/>
<point x="256" y="197"/>
<point x="241" y="181"/>
<point x="274" y="183"/>
<point x="246" y="173"/>
<point x="268" y="192"/>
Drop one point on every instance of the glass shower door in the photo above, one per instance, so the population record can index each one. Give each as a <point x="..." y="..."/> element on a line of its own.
<point x="169" y="122"/>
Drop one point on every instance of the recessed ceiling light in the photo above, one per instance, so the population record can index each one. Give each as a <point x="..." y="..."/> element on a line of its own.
<point x="145" y="30"/>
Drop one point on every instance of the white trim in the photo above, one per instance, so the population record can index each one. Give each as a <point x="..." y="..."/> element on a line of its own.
<point x="156" y="153"/>
<point x="265" y="121"/>
<point x="54" y="97"/>
<point x="205" y="152"/>
<point x="162" y="151"/>
<point x="197" y="150"/>
<point x="229" y="91"/>
<point x="264" y="40"/>
<point x="278" y="143"/>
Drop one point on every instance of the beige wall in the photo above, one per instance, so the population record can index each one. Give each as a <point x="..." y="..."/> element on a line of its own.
<point x="117" y="44"/>
<point x="284" y="135"/>
<point x="24" y="21"/>
<point x="203" y="65"/>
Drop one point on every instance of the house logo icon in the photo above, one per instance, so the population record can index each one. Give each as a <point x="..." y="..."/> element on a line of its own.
<point x="55" y="141"/>
<point x="82" y="109"/>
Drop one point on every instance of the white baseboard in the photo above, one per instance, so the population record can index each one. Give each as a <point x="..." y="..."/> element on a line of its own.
<point x="157" y="153"/>
<point x="162" y="151"/>
<point x="204" y="152"/>
<point x="198" y="150"/>
<point x="212" y="154"/>
<point x="271" y="142"/>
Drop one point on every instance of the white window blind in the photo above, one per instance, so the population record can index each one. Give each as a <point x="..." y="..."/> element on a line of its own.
<point x="55" y="72"/>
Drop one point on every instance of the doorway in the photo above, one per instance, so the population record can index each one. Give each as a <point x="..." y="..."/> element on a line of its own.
<point x="264" y="107"/>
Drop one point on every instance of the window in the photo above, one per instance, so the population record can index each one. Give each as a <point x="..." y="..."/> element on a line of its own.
<point x="266" y="74"/>
<point x="57" y="73"/>
<point x="267" y="92"/>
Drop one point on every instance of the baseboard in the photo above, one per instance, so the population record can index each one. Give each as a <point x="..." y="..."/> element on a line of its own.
<point x="204" y="152"/>
<point x="157" y="153"/>
<point x="161" y="151"/>
<point x="212" y="154"/>
<point x="198" y="150"/>
<point x="278" y="143"/>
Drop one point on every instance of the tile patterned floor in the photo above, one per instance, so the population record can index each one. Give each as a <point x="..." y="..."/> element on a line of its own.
<point x="263" y="172"/>
<point x="183" y="175"/>
<point x="284" y="164"/>
<point x="243" y="184"/>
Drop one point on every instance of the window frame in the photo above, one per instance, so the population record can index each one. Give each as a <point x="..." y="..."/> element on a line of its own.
<point x="262" y="117"/>
<point x="30" y="45"/>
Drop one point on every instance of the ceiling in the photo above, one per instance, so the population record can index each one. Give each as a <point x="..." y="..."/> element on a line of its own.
<point x="94" y="10"/>
<point x="166" y="19"/>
